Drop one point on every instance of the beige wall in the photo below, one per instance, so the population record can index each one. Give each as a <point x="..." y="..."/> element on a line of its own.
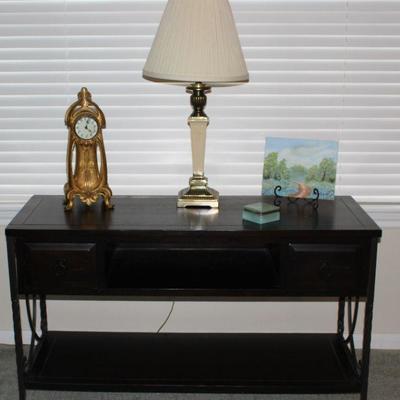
<point x="205" y="316"/>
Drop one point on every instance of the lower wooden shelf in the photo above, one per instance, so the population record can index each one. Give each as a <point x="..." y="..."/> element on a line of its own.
<point x="192" y="362"/>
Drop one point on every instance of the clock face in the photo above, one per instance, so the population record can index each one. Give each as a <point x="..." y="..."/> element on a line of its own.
<point x="86" y="128"/>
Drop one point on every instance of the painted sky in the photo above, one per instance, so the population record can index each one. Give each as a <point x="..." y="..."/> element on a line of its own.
<point x="306" y="152"/>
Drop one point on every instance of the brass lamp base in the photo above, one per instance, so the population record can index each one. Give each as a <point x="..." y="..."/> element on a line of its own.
<point x="198" y="194"/>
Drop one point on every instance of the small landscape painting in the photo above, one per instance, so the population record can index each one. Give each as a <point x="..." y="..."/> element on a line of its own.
<point x="299" y="166"/>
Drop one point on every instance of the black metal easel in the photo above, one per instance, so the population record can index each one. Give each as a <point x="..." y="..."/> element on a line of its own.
<point x="313" y="201"/>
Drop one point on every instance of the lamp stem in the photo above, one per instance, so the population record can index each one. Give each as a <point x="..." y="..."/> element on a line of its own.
<point x="198" y="194"/>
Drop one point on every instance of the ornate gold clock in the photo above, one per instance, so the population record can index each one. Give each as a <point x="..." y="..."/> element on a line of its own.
<point x="86" y="179"/>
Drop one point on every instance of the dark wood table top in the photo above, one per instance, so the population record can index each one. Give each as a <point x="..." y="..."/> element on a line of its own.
<point x="159" y="213"/>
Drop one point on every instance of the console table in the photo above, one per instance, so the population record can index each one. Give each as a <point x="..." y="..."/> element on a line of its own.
<point x="147" y="249"/>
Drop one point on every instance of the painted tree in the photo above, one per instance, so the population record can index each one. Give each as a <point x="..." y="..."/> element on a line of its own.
<point x="298" y="171"/>
<point x="270" y="165"/>
<point x="327" y="170"/>
<point x="282" y="171"/>
<point x="312" y="174"/>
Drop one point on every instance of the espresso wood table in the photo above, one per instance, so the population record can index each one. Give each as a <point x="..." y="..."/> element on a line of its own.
<point x="147" y="249"/>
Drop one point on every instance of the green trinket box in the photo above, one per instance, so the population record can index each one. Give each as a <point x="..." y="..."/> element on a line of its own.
<point x="261" y="213"/>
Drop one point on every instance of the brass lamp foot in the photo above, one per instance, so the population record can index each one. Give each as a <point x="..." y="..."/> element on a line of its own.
<point x="198" y="194"/>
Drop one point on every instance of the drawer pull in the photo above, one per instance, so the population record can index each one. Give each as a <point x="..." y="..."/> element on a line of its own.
<point x="324" y="266"/>
<point x="60" y="268"/>
<point x="326" y="272"/>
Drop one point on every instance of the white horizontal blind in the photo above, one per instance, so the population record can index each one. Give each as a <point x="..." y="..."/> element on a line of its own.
<point x="318" y="69"/>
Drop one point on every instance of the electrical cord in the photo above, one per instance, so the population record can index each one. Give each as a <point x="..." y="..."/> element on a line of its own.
<point x="166" y="319"/>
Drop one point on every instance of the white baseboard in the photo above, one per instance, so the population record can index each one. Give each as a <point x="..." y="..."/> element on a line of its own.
<point x="379" y="341"/>
<point x="7" y="337"/>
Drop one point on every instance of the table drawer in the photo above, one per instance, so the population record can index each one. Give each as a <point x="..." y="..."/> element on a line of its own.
<point x="56" y="268"/>
<point x="324" y="268"/>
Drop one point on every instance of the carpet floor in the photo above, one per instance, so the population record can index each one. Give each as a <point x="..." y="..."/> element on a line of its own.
<point x="384" y="385"/>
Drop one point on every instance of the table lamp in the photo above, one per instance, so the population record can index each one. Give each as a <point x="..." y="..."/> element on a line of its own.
<point x="197" y="45"/>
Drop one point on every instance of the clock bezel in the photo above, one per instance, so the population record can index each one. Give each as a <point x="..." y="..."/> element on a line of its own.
<point x="87" y="115"/>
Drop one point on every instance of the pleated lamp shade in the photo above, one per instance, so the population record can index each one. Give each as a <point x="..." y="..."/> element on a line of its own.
<point x="197" y="41"/>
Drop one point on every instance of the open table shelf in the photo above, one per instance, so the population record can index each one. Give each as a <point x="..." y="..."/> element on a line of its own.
<point x="185" y="362"/>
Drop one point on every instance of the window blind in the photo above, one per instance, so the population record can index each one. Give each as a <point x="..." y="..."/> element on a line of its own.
<point x="318" y="69"/>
